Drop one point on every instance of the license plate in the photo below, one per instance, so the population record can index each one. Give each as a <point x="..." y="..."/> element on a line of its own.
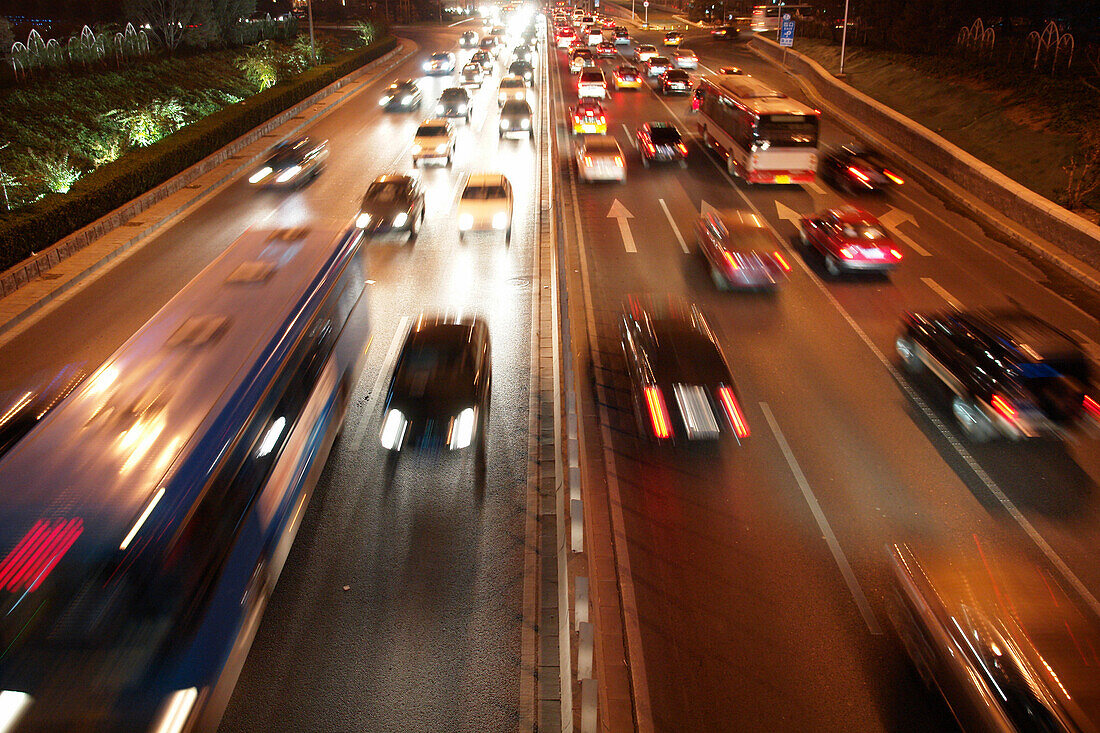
<point x="782" y="179"/>
<point x="873" y="254"/>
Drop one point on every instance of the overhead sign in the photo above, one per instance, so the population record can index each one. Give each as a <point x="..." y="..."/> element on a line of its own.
<point x="786" y="31"/>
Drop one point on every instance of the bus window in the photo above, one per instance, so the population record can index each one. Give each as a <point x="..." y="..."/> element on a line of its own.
<point x="788" y="131"/>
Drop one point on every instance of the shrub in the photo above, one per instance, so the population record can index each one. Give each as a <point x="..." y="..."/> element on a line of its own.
<point x="38" y="225"/>
<point x="56" y="172"/>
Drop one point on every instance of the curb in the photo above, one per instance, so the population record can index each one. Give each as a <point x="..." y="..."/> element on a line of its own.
<point x="988" y="214"/>
<point x="32" y="269"/>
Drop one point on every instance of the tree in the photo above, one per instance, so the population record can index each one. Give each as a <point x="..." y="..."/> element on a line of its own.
<point x="169" y="19"/>
<point x="6" y="36"/>
<point x="226" y="16"/>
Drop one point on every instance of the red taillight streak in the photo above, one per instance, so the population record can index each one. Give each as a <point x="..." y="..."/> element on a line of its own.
<point x="587" y="160"/>
<point x="847" y="253"/>
<point x="618" y="161"/>
<point x="858" y="174"/>
<point x="658" y="413"/>
<point x="892" y="177"/>
<point x="731" y="261"/>
<point x="1004" y="407"/>
<point x="682" y="148"/>
<point x="17" y="555"/>
<point x="47" y="545"/>
<point x="66" y="541"/>
<point x="28" y="568"/>
<point x="733" y="411"/>
<point x="1091" y="407"/>
<point x="648" y="146"/>
<point x="897" y="255"/>
<point x="782" y="262"/>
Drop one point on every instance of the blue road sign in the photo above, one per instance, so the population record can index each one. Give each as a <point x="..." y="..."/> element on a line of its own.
<point x="786" y="31"/>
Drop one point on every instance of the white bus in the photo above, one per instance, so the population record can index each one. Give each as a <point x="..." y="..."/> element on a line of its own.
<point x="765" y="136"/>
<point x="766" y="17"/>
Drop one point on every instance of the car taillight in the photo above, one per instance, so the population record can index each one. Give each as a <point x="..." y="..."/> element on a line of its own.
<point x="1091" y="407"/>
<point x="648" y="146"/>
<point x="1003" y="407"/>
<point x="658" y="413"/>
<point x="587" y="160"/>
<point x="603" y="120"/>
<point x="892" y="177"/>
<point x="896" y="254"/>
<point x="731" y="261"/>
<point x="782" y="262"/>
<point x="619" y="161"/>
<point x="682" y="148"/>
<point x="733" y="412"/>
<point x="858" y="174"/>
<point x="847" y="253"/>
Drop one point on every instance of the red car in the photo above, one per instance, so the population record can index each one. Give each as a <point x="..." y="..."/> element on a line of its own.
<point x="606" y="50"/>
<point x="850" y="239"/>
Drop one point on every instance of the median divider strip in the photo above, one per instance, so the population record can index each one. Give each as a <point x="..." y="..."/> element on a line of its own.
<point x="29" y="289"/>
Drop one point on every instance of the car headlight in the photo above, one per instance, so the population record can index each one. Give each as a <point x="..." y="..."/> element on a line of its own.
<point x="525" y="123"/>
<point x="393" y="430"/>
<point x="465" y="221"/>
<point x="416" y="149"/>
<point x="288" y="174"/>
<point x="427" y="65"/>
<point x="462" y="429"/>
<point x="440" y="109"/>
<point x="13" y="705"/>
<point x="500" y="220"/>
<point x="504" y="124"/>
<point x="406" y="99"/>
<point x="260" y="174"/>
<point x="519" y="95"/>
<point x="441" y="148"/>
<point x="363" y="220"/>
<point x="400" y="219"/>
<point x="385" y="100"/>
<point x="502" y="96"/>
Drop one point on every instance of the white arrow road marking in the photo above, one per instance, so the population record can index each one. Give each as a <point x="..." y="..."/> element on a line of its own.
<point x="619" y="213"/>
<point x="672" y="222"/>
<point x="784" y="212"/>
<point x="894" y="218"/>
<point x="938" y="290"/>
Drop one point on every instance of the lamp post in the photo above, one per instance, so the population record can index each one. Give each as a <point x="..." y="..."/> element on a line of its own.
<point x="844" y="37"/>
<point x="312" y="49"/>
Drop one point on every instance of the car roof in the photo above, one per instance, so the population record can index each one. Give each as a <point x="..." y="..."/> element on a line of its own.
<point x="442" y="54"/>
<point x="601" y="144"/>
<point x="676" y="72"/>
<point x="1026" y="336"/>
<point x="513" y="80"/>
<point x="852" y="215"/>
<point x="404" y="83"/>
<point x="513" y="106"/>
<point x="394" y="178"/>
<point x="486" y="178"/>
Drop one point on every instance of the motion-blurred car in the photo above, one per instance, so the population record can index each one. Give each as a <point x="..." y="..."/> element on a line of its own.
<point x="565" y="36"/>
<point x="292" y="163"/>
<point x="483" y="59"/>
<point x="595" y="35"/>
<point x="655" y="66"/>
<point x="434" y="140"/>
<point x="674" y="81"/>
<point x="599" y="158"/>
<point x="673" y="38"/>
<point x="511" y="87"/>
<point x="849" y="239"/>
<point x="440" y="64"/>
<point x="454" y="102"/>
<point x="438" y="398"/>
<point x="580" y="59"/>
<point x="626" y="76"/>
<point x="731" y="71"/>
<point x="1010" y="373"/>
<point x="516" y="119"/>
<point x="742" y="253"/>
<point x="591" y="84"/>
<point x="726" y="32"/>
<point x="589" y="118"/>
<point x="403" y="94"/>
<point x="621" y="36"/>
<point x="490" y="45"/>
<point x="853" y="169"/>
<point x="523" y="53"/>
<point x="680" y="384"/>
<point x="644" y="52"/>
<point x="24" y="407"/>
<point x="683" y="58"/>
<point x="524" y="70"/>
<point x="661" y="142"/>
<point x="392" y="203"/>
<point x="606" y="50"/>
<point x="1000" y="637"/>
<point x="472" y="75"/>
<point x="486" y="205"/>
<point x="469" y="39"/>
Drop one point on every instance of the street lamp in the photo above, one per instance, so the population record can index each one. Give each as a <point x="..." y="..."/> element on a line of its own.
<point x="844" y="37"/>
<point x="312" y="50"/>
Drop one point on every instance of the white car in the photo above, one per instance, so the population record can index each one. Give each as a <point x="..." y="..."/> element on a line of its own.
<point x="440" y="63"/>
<point x="685" y="59"/>
<point x="592" y="84"/>
<point x="434" y="140"/>
<point x="595" y="35"/>
<point x="644" y="52"/>
<point x="599" y="158"/>
<point x="486" y="205"/>
<point x="511" y="87"/>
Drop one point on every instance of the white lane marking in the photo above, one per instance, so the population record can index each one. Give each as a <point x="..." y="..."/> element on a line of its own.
<point x="972" y="463"/>
<point x="705" y="208"/>
<point x="704" y="66"/>
<point x="383" y="371"/>
<point x="823" y="524"/>
<point x="816" y="188"/>
<point x="785" y="212"/>
<point x="619" y="213"/>
<point x="938" y="290"/>
<point x="633" y="142"/>
<point x="909" y="243"/>
<point x="672" y="223"/>
<point x="893" y="219"/>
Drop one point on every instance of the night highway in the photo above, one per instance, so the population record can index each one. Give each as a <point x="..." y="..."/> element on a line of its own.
<point x="755" y="575"/>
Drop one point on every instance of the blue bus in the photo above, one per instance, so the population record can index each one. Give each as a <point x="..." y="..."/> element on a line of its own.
<point x="144" y="521"/>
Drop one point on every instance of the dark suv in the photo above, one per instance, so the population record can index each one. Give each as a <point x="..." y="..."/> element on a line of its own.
<point x="454" y="102"/>
<point x="1010" y="373"/>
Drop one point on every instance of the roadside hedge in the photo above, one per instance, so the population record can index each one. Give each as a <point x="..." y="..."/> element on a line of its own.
<point x="36" y="226"/>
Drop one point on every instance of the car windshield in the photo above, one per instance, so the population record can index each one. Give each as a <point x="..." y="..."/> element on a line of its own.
<point x="512" y="84"/>
<point x="665" y="135"/>
<point x="862" y="232"/>
<point x="439" y="56"/>
<point x="471" y="69"/>
<point x="658" y="61"/>
<point x="454" y="95"/>
<point x="386" y="191"/>
<point x="480" y="192"/>
<point x="431" y="131"/>
<point x="601" y="145"/>
<point x="516" y="107"/>
<point x="287" y="152"/>
<point x="676" y="75"/>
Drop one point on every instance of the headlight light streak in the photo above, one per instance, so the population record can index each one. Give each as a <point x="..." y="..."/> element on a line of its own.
<point x="462" y="429"/>
<point x="363" y="220"/>
<point x="500" y="220"/>
<point x="400" y="219"/>
<point x="288" y="174"/>
<point x="393" y="430"/>
<point x="465" y="221"/>
<point x="260" y="174"/>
